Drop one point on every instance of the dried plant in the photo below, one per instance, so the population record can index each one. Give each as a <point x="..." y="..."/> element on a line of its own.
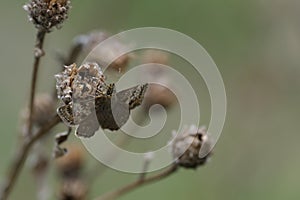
<point x="186" y="147"/>
<point x="88" y="101"/>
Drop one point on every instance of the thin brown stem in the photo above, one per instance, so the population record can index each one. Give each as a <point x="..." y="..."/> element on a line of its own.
<point x="138" y="183"/>
<point x="38" y="53"/>
<point x="21" y="155"/>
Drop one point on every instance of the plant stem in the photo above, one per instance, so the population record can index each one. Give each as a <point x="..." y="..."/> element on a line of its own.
<point x="21" y="155"/>
<point x="138" y="183"/>
<point x="38" y="53"/>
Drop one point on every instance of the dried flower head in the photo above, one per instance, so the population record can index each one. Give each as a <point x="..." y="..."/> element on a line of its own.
<point x="159" y="94"/>
<point x="186" y="147"/>
<point x="46" y="14"/>
<point x="90" y="102"/>
<point x="155" y="56"/>
<point x="43" y="110"/>
<point x="105" y="54"/>
<point x="70" y="169"/>
<point x="71" y="165"/>
<point x="155" y="72"/>
<point x="73" y="190"/>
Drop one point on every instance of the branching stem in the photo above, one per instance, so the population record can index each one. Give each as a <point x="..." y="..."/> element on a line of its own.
<point x="138" y="183"/>
<point x="21" y="155"/>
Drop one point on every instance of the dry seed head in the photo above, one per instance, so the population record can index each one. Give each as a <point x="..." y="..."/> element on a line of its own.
<point x="104" y="54"/>
<point x="43" y="110"/>
<point x="73" y="190"/>
<point x="159" y="94"/>
<point x="46" y="14"/>
<point x="79" y="82"/>
<point x="155" y="56"/>
<point x="155" y="72"/>
<point x="64" y="83"/>
<point x="71" y="164"/>
<point x="89" y="77"/>
<point x="186" y="147"/>
<point x="91" y="40"/>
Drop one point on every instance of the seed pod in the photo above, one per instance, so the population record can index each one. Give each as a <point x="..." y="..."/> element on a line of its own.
<point x="186" y="148"/>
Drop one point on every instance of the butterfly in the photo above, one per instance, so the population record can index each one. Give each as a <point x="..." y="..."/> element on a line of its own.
<point x="109" y="110"/>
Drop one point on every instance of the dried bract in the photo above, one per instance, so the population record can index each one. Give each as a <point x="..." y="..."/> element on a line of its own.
<point x="186" y="147"/>
<point x="46" y="14"/>
<point x="60" y="138"/>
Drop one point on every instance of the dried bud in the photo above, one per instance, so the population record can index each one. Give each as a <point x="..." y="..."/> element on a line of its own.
<point x="157" y="93"/>
<point x="91" y="40"/>
<point x="73" y="190"/>
<point x="155" y="56"/>
<point x="46" y="14"/>
<point x="39" y="164"/>
<point x="43" y="110"/>
<point x="71" y="165"/>
<point x="70" y="168"/>
<point x="186" y="147"/>
<point x="104" y="54"/>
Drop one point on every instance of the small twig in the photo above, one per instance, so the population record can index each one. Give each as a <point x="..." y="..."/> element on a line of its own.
<point x="21" y="155"/>
<point x="147" y="161"/>
<point x="138" y="183"/>
<point x="38" y="53"/>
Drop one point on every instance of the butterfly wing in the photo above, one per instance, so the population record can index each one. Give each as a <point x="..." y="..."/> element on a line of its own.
<point x="66" y="114"/>
<point x="114" y="112"/>
<point x="133" y="96"/>
<point x="104" y="108"/>
<point x="88" y="127"/>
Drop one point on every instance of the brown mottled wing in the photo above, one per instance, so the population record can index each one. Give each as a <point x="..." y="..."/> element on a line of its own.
<point x="105" y="116"/>
<point x="82" y="110"/>
<point x="66" y="115"/>
<point x="133" y="96"/>
<point x="74" y="113"/>
<point x="114" y="112"/>
<point x="88" y="127"/>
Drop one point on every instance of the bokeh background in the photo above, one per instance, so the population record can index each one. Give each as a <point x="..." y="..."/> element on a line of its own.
<point x="256" y="46"/>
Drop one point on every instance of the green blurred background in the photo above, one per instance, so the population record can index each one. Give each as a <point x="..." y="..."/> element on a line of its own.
<point x="256" y="46"/>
